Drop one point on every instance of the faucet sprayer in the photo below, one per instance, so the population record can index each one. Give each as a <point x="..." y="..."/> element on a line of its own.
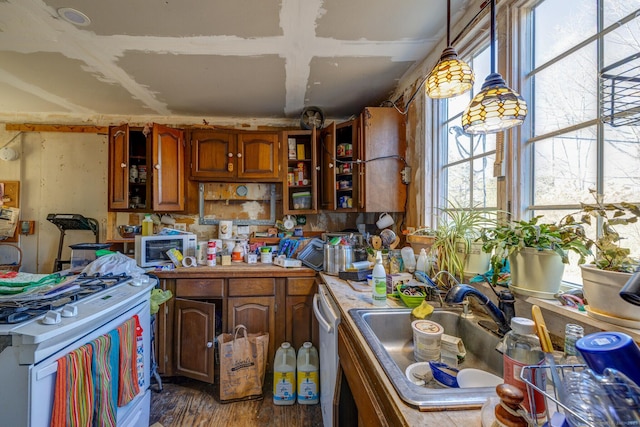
<point x="501" y="314"/>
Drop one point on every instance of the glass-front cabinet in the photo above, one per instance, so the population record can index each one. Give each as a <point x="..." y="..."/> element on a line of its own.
<point x="300" y="188"/>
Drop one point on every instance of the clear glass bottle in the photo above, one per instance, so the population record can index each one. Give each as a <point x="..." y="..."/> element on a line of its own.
<point x="522" y="348"/>
<point x="572" y="333"/>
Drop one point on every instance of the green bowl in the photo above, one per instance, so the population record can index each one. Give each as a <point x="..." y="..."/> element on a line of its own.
<point x="408" y="300"/>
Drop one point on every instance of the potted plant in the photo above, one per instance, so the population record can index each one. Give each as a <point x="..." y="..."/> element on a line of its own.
<point x="536" y="253"/>
<point x="456" y="245"/>
<point x="612" y="265"/>
<point x="422" y="238"/>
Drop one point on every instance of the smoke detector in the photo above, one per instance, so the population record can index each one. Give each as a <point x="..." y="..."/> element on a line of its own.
<point x="74" y="16"/>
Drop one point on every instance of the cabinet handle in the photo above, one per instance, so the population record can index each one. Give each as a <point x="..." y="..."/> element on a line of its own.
<point x="229" y="155"/>
<point x="239" y="155"/>
<point x="157" y="166"/>
<point x="318" y="168"/>
<point x="330" y="165"/>
<point x="209" y="344"/>
<point x="123" y="165"/>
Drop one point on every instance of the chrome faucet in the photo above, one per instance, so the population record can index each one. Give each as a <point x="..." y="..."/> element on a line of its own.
<point x="501" y="314"/>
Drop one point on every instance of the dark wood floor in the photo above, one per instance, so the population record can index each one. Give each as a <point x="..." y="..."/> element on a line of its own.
<point x="186" y="402"/>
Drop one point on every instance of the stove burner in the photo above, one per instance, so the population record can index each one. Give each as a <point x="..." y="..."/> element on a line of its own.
<point x="17" y="311"/>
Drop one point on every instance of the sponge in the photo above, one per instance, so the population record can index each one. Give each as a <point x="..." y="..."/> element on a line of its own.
<point x="423" y="310"/>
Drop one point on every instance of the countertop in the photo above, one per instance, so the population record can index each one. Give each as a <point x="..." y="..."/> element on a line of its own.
<point x="240" y="269"/>
<point x="347" y="298"/>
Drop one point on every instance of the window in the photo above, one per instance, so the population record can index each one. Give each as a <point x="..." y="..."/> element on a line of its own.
<point x="571" y="144"/>
<point x="574" y="138"/>
<point x="466" y="161"/>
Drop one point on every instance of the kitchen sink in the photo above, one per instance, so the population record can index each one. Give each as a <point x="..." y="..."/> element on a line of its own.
<point x="389" y="334"/>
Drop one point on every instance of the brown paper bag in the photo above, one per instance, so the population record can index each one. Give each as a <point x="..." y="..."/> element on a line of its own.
<point x="243" y="359"/>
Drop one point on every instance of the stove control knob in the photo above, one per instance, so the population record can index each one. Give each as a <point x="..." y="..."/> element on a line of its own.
<point x="51" y="318"/>
<point x="69" y="311"/>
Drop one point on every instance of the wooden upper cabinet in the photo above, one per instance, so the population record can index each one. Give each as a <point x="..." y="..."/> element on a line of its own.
<point x="168" y="169"/>
<point x="258" y="155"/>
<point x="213" y="154"/>
<point x="361" y="163"/>
<point x="381" y="144"/>
<point x="119" y="167"/>
<point x="158" y="160"/>
<point x="235" y="155"/>
<point x="300" y="172"/>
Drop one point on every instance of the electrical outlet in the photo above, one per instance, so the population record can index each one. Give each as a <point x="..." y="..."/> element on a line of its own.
<point x="406" y="175"/>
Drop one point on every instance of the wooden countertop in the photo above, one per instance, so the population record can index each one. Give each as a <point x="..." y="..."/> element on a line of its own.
<point x="234" y="270"/>
<point x="347" y="298"/>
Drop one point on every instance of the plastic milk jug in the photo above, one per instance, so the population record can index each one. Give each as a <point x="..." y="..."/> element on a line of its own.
<point x="308" y="375"/>
<point x="284" y="375"/>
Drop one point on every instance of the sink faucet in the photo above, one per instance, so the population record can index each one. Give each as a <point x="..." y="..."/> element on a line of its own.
<point x="501" y="314"/>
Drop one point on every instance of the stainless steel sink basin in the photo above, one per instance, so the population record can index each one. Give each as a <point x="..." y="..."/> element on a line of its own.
<point x="388" y="333"/>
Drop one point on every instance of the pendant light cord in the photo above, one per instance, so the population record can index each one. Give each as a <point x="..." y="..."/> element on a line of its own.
<point x="448" y="22"/>
<point x="493" y="36"/>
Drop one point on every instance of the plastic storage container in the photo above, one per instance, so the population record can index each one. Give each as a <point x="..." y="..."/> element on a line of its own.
<point x="301" y="200"/>
<point x="83" y="253"/>
<point x="308" y="380"/>
<point x="284" y="375"/>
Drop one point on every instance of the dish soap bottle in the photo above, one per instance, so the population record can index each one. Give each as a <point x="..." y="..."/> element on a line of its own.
<point x="522" y="348"/>
<point x="379" y="282"/>
<point x="147" y="225"/>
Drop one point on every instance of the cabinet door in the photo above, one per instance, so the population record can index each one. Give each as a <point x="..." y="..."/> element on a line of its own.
<point x="326" y="156"/>
<point x="168" y="169"/>
<point x="382" y="146"/>
<point x="257" y="155"/>
<point x="257" y="314"/>
<point x="119" y="167"/>
<point x="300" y="162"/>
<point x="213" y="154"/>
<point x="195" y="330"/>
<point x="299" y="324"/>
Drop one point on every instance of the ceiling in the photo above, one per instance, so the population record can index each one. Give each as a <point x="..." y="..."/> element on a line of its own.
<point x="203" y="58"/>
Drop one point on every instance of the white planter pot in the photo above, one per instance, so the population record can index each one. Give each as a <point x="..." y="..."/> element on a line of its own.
<point x="602" y="290"/>
<point x="475" y="261"/>
<point x="537" y="271"/>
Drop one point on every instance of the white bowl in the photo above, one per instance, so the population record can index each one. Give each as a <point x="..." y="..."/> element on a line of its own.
<point x="419" y="368"/>
<point x="471" y="377"/>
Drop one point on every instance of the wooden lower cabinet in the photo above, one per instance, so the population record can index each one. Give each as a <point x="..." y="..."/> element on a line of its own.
<point x="257" y="314"/>
<point x="194" y="337"/>
<point x="186" y="324"/>
<point x="360" y="398"/>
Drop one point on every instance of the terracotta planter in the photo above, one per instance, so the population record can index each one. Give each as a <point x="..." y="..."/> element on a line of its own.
<point x="539" y="272"/>
<point x="602" y="290"/>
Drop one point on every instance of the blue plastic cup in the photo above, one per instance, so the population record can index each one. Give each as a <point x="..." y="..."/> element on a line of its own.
<point x="611" y="350"/>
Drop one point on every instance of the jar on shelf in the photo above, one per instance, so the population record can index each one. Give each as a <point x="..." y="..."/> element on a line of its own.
<point x="133" y="173"/>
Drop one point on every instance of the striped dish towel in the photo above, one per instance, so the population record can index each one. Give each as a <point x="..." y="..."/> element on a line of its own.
<point x="106" y="353"/>
<point x="73" y="401"/>
<point x="128" y="386"/>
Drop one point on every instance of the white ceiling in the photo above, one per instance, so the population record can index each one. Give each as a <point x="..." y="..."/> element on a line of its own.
<point x="202" y="58"/>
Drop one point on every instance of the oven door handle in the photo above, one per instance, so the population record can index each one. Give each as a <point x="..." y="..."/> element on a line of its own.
<point x="46" y="371"/>
<point x="321" y="320"/>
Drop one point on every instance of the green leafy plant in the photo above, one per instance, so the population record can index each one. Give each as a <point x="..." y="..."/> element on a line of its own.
<point x="507" y="238"/>
<point x="459" y="225"/>
<point x="609" y="255"/>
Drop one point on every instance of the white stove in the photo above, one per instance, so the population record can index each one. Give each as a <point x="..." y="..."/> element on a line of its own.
<point x="82" y="310"/>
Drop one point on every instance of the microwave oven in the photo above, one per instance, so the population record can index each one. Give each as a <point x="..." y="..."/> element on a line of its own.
<point x="152" y="250"/>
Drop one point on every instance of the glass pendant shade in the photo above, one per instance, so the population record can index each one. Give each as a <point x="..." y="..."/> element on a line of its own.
<point x="495" y="108"/>
<point x="450" y="77"/>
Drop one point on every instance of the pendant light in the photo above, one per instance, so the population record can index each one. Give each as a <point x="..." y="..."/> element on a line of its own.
<point x="451" y="76"/>
<point x="496" y="107"/>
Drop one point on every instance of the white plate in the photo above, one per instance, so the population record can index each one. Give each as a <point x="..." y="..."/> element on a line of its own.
<point x="627" y="323"/>
<point x="419" y="368"/>
<point x="532" y="293"/>
<point x="471" y="377"/>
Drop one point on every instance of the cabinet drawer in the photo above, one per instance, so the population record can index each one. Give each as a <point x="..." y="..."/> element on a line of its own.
<point x="205" y="288"/>
<point x="252" y="287"/>
<point x="301" y="286"/>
